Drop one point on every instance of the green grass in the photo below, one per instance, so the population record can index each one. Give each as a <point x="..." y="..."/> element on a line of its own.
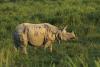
<point x="68" y="54"/>
<point x="81" y="16"/>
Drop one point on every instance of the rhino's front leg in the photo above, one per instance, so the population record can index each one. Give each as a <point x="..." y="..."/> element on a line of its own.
<point x="51" y="48"/>
<point x="48" y="44"/>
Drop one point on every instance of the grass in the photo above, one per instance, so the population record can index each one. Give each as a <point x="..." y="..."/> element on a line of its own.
<point x="81" y="16"/>
<point x="68" y="54"/>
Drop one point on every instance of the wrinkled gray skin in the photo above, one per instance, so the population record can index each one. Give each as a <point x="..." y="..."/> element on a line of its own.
<point x="39" y="35"/>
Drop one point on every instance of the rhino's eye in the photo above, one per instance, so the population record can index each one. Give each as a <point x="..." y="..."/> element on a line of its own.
<point x="65" y="35"/>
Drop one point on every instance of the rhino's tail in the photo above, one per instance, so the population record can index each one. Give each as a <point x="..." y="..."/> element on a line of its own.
<point x="16" y="40"/>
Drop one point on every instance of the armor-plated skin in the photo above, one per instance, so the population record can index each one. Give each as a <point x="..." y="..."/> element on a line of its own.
<point x="40" y="35"/>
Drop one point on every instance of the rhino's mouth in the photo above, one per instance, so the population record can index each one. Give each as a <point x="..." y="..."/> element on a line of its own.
<point x="73" y="38"/>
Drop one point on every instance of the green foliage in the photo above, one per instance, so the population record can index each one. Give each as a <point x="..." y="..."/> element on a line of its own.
<point x="81" y="16"/>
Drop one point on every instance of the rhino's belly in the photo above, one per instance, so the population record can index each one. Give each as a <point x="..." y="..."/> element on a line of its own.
<point x="36" y="38"/>
<point x="36" y="41"/>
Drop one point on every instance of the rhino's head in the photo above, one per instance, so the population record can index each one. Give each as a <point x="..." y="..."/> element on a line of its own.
<point x="64" y="35"/>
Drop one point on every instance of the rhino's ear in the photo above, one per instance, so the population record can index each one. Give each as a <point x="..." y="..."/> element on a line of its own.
<point x="64" y="31"/>
<point x="72" y="32"/>
<point x="65" y="27"/>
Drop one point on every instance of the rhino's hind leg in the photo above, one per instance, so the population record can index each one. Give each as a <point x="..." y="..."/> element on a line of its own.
<point x="23" y="44"/>
<point x="23" y="49"/>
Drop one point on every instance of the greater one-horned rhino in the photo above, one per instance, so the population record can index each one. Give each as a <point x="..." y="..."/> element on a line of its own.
<point x="40" y="35"/>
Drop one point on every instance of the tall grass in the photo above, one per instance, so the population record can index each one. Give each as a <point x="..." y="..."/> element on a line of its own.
<point x="81" y="16"/>
<point x="65" y="55"/>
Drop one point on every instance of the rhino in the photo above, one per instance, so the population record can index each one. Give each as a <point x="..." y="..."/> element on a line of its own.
<point x="39" y="35"/>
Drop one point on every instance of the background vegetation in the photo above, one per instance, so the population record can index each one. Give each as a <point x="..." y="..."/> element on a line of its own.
<point x="81" y="16"/>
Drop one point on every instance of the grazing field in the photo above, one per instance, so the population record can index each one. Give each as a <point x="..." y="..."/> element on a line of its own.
<point x="81" y="16"/>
